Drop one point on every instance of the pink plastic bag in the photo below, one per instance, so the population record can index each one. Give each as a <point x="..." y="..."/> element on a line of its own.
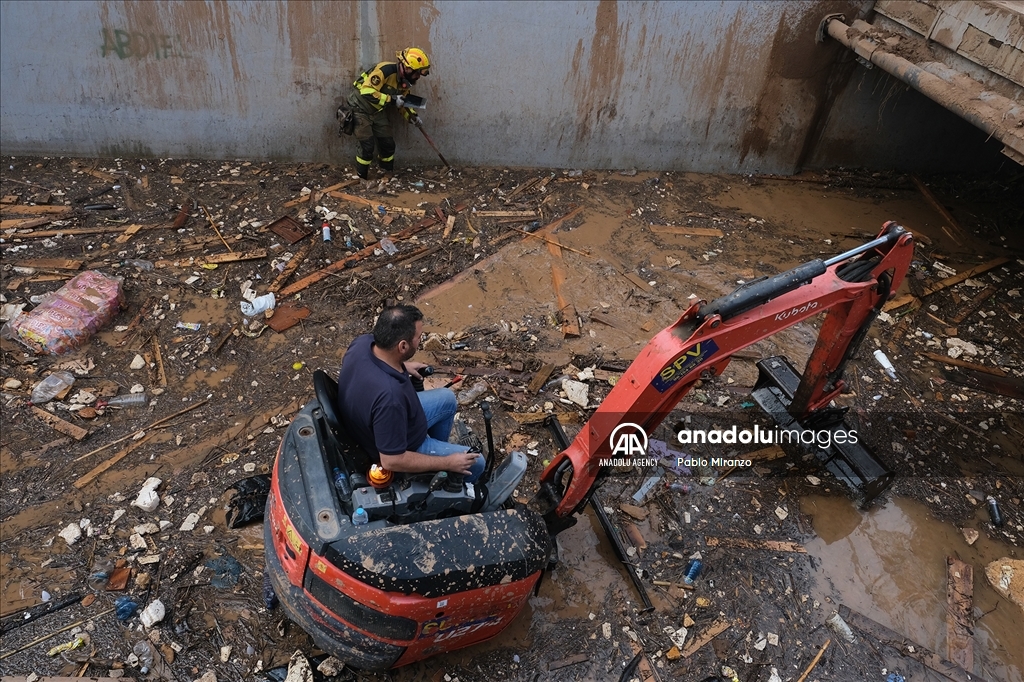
<point x="69" y="317"/>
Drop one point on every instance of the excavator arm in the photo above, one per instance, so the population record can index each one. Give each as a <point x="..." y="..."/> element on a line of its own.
<point x="849" y="289"/>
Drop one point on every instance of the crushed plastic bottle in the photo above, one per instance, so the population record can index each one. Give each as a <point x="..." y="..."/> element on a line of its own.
<point x="468" y="396"/>
<point x="839" y="626"/>
<point x="388" y="246"/>
<point x="143" y="650"/>
<point x="259" y="304"/>
<point x="128" y="400"/>
<point x="140" y="264"/>
<point x="692" y="571"/>
<point x="99" y="575"/>
<point x="48" y="389"/>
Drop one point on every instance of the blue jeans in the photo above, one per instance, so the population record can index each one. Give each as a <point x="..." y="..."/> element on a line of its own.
<point x="440" y="406"/>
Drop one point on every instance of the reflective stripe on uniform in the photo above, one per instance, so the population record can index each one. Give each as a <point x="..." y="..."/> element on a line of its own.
<point x="363" y="161"/>
<point x="387" y="159"/>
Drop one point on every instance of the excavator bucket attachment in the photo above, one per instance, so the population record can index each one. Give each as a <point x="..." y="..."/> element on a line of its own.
<point x="825" y="434"/>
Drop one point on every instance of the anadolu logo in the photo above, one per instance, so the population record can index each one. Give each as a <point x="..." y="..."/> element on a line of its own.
<point x="628" y="440"/>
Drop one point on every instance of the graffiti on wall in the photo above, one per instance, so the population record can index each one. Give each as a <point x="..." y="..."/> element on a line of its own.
<point x="141" y="45"/>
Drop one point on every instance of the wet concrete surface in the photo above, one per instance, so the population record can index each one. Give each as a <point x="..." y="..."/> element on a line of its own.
<point x="947" y="442"/>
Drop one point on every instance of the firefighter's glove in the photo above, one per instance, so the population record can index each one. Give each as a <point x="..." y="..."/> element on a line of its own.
<point x="399" y="101"/>
<point x="411" y="117"/>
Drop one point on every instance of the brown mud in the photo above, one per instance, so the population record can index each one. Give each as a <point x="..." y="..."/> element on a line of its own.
<point x="950" y="444"/>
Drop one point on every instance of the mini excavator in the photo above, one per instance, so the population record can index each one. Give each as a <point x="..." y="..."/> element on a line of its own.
<point x="442" y="564"/>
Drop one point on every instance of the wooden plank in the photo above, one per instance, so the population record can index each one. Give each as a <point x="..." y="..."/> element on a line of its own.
<point x="67" y="428"/>
<point x="36" y="210"/>
<point x="540" y="378"/>
<point x="51" y="263"/>
<point x="117" y="457"/>
<point x="295" y="202"/>
<point x="22" y="223"/>
<point x="354" y="199"/>
<point x="966" y="274"/>
<point x="340" y="265"/>
<point x="232" y="257"/>
<point x="505" y="214"/>
<point x="715" y="629"/>
<point x="907" y="647"/>
<point x="956" y="362"/>
<point x="1011" y="387"/>
<point x="958" y="234"/>
<point x="746" y="543"/>
<point x="637" y="280"/>
<point x="520" y="189"/>
<point x="83" y="230"/>
<point x="555" y="224"/>
<point x="129" y="231"/>
<point x="449" y="225"/>
<point x="973" y="305"/>
<point x="959" y="607"/>
<point x="901" y="301"/>
<point x="290" y="268"/>
<point x="687" y="231"/>
<point x="413" y="212"/>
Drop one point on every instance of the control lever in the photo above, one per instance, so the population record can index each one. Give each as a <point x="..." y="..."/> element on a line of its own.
<point x="486" y="408"/>
<point x="417" y="382"/>
<point x="437" y="482"/>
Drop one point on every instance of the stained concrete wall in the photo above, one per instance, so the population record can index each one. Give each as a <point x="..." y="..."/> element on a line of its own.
<point x="704" y="86"/>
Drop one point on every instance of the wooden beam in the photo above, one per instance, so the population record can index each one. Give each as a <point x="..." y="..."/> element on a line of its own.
<point x="291" y="267"/>
<point x="35" y="210"/>
<point x="340" y="265"/>
<point x="966" y="274"/>
<point x="715" y="629"/>
<point x="745" y="543"/>
<point x="973" y="305"/>
<point x="51" y="263"/>
<point x="956" y="362"/>
<point x="255" y="254"/>
<point x="959" y="619"/>
<point x="957" y="233"/>
<point x="67" y="428"/>
<point x="505" y="214"/>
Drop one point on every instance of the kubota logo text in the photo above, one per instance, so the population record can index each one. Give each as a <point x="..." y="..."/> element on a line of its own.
<point x="785" y="314"/>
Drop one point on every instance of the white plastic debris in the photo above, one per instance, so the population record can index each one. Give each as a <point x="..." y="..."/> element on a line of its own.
<point x="72" y="533"/>
<point x="576" y="391"/>
<point x="152" y="614"/>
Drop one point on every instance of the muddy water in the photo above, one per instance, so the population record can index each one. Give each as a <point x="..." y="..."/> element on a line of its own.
<point x="890" y="565"/>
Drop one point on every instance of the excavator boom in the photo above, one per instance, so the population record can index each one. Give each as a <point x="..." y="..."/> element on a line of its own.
<point x="849" y="289"/>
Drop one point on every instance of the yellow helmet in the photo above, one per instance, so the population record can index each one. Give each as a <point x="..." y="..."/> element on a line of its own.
<point x="416" y="59"/>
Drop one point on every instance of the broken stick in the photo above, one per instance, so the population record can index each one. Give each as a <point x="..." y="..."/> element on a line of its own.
<point x="158" y="422"/>
<point x="815" y="661"/>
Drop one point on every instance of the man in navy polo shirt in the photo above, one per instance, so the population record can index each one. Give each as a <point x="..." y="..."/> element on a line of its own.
<point x="382" y="411"/>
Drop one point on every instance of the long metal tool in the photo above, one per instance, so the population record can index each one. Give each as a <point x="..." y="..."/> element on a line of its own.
<point x="419" y="124"/>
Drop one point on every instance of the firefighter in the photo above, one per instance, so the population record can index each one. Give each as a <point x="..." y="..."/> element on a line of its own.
<point x="386" y="83"/>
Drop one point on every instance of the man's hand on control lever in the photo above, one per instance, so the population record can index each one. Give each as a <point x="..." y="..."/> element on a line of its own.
<point x="460" y="462"/>
<point x="414" y="368"/>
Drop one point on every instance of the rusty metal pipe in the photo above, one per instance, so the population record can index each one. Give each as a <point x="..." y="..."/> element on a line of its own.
<point x="1000" y="117"/>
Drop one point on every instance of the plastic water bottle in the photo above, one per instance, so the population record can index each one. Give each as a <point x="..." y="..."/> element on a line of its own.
<point x="360" y="517"/>
<point x="47" y="389"/>
<point x="467" y="396"/>
<point x="326" y="231"/>
<point x="144" y="651"/>
<point x="993" y="511"/>
<point x="388" y="246"/>
<point x="886" y="365"/>
<point x="341" y="483"/>
<point x="128" y="400"/>
<point x="692" y="571"/>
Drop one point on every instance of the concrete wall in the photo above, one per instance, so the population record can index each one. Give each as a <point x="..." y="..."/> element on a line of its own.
<point x="705" y="86"/>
